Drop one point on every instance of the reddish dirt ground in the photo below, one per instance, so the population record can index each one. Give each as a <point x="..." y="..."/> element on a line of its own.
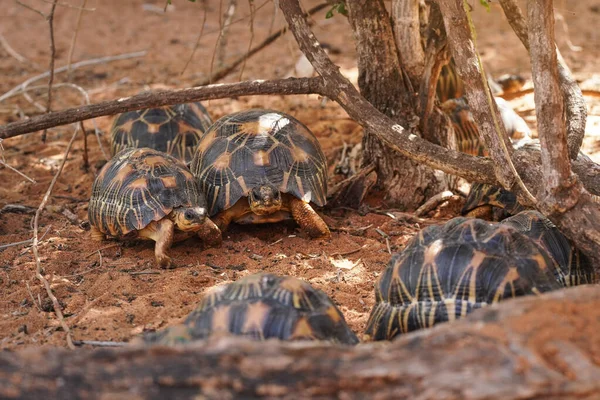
<point x="114" y="291"/>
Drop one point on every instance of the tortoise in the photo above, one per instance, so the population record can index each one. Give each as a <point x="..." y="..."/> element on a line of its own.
<point x="572" y="267"/>
<point x="449" y="270"/>
<point x="491" y="202"/>
<point x="465" y="128"/>
<point x="260" y="166"/>
<point x="262" y="306"/>
<point x="495" y="203"/>
<point x="147" y="194"/>
<point x="451" y="86"/>
<point x="174" y="130"/>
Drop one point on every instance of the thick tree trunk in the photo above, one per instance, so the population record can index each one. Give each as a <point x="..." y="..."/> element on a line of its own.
<point x="407" y="30"/>
<point x="545" y="347"/>
<point x="382" y="82"/>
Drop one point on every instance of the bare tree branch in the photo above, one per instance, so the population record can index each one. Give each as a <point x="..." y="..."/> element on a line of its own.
<point x="573" y="97"/>
<point x="483" y="108"/>
<point x="74" y="38"/>
<point x="550" y="108"/>
<point x="84" y="63"/>
<point x="50" y="19"/>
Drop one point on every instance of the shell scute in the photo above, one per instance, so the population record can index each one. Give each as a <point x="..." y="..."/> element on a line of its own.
<point x="139" y="186"/>
<point x="175" y="130"/>
<point x="448" y="270"/>
<point x="263" y="147"/>
<point x="264" y="306"/>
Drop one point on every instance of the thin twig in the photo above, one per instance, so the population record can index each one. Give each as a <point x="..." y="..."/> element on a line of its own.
<point x="252" y="11"/>
<point x="347" y="253"/>
<point x="87" y="271"/>
<point x="86" y="97"/>
<point x="67" y="5"/>
<point x="204" y="13"/>
<point x="4" y="246"/>
<point x="17" y="171"/>
<point x="74" y="39"/>
<point x="85" y="63"/>
<point x="222" y="44"/>
<point x="50" y="19"/>
<point x="12" y="52"/>
<point x="99" y="343"/>
<point x="110" y="246"/>
<point x="214" y="54"/>
<point x="31" y="8"/>
<point x="144" y="273"/>
<point x="226" y="70"/>
<point x="239" y="19"/>
<point x="37" y="304"/>
<point x="86" y="160"/>
<point x="41" y="278"/>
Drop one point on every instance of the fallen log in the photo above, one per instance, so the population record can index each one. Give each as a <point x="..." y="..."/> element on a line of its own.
<point x="544" y="347"/>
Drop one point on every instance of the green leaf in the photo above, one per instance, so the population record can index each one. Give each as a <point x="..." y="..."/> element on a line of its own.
<point x="329" y="14"/>
<point x="486" y="4"/>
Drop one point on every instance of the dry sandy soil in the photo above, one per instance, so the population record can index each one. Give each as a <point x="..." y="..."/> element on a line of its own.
<point x="114" y="291"/>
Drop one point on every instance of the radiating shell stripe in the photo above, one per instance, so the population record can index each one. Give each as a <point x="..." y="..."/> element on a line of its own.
<point x="448" y="270"/>
<point x="449" y="85"/>
<point x="250" y="148"/>
<point x="175" y="130"/>
<point x="264" y="306"/>
<point x="139" y="186"/>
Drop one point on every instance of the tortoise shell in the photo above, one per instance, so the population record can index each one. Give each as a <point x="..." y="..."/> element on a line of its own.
<point x="250" y="148"/>
<point x="449" y="85"/>
<point x="449" y="270"/>
<point x="571" y="266"/>
<point x="262" y="306"/>
<point x="466" y="131"/>
<point x="138" y="186"/>
<point x="503" y="202"/>
<point x="174" y="130"/>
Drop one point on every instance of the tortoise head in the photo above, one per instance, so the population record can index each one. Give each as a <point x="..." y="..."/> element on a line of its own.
<point x="188" y="219"/>
<point x="264" y="200"/>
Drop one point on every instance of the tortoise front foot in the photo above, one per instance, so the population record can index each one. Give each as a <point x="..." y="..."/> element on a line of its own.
<point x="308" y="219"/>
<point x="222" y="220"/>
<point x="162" y="233"/>
<point x="164" y="261"/>
<point x="210" y="234"/>
<point x="96" y="234"/>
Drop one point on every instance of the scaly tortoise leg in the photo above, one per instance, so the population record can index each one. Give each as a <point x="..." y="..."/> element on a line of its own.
<point x="210" y="233"/>
<point x="482" y="212"/>
<point x="96" y="234"/>
<point x="308" y="219"/>
<point x="162" y="233"/>
<point x="223" y="219"/>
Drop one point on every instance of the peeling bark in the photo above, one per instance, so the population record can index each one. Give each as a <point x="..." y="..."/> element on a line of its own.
<point x="543" y="347"/>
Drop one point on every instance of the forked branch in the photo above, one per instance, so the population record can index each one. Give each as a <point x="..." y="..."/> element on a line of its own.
<point x="575" y="108"/>
<point x="560" y="183"/>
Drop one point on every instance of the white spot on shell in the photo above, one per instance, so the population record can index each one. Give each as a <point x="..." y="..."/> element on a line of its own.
<point x="307" y="197"/>
<point x="271" y="122"/>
